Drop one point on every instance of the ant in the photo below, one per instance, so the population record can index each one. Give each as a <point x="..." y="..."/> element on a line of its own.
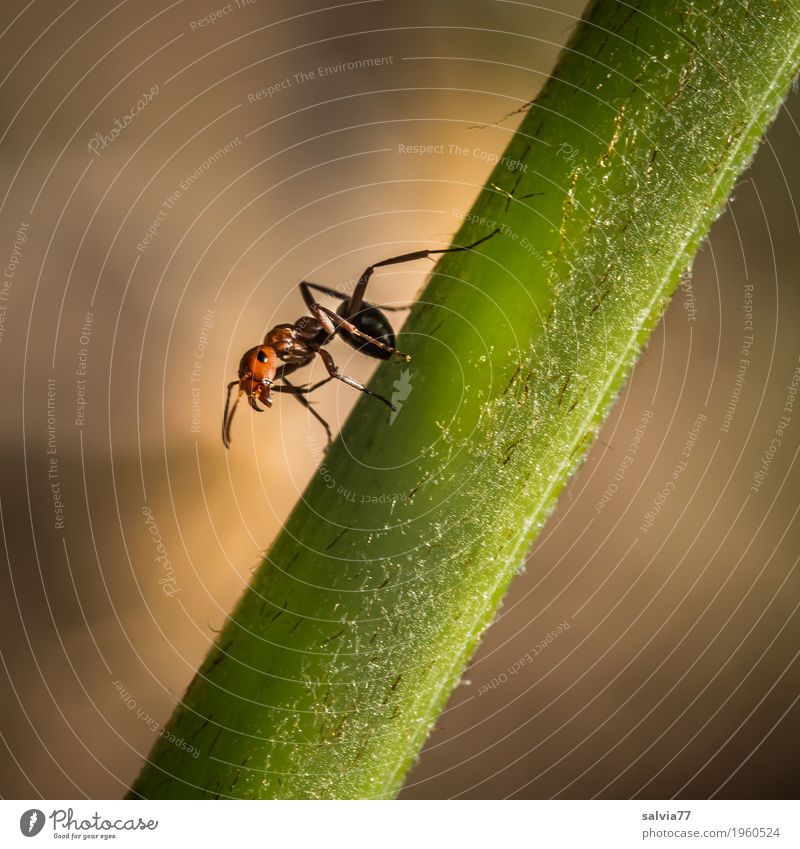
<point x="288" y="347"/>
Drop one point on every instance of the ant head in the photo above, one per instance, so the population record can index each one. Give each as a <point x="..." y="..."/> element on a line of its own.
<point x="258" y="376"/>
<point x="257" y="371"/>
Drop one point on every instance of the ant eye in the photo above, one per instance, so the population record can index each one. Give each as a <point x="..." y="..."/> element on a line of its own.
<point x="261" y="357"/>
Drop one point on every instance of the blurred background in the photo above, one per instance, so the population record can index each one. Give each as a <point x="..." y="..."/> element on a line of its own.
<point x="169" y="173"/>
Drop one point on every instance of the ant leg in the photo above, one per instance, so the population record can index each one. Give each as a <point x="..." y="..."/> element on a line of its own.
<point x="361" y="286"/>
<point x="298" y="392"/>
<point x="333" y="371"/>
<point x="305" y="291"/>
<point x="306" y="287"/>
<point x="387" y="308"/>
<point x="309" y="299"/>
<point x="332" y="321"/>
<point x="226" y="419"/>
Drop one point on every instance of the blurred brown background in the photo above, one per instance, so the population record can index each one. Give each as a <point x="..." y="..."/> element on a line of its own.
<point x="678" y="674"/>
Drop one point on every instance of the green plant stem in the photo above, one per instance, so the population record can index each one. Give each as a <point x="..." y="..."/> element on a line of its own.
<point x="331" y="671"/>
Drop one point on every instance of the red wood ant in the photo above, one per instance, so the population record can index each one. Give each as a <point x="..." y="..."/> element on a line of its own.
<point x="288" y="347"/>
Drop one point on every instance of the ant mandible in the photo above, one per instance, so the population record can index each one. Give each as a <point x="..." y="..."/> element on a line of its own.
<point x="288" y="347"/>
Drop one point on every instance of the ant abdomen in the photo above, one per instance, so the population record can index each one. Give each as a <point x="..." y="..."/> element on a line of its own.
<point x="372" y="322"/>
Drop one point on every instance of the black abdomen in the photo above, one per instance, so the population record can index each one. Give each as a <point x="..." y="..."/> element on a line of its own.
<point x="373" y="322"/>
